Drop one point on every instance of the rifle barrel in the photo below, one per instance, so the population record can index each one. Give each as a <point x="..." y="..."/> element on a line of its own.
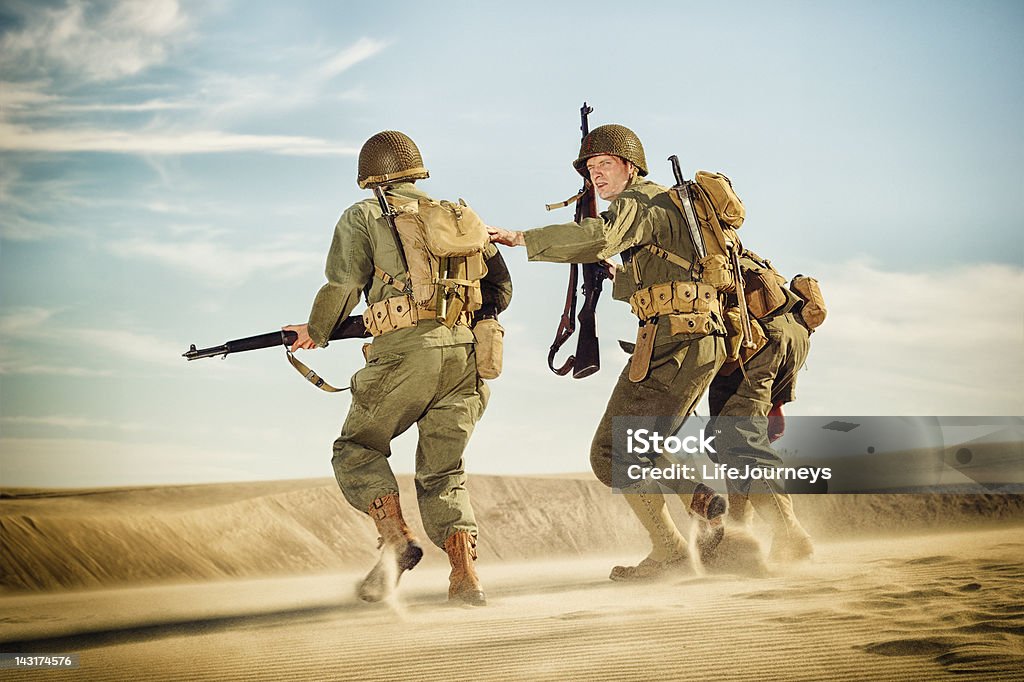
<point x="350" y="328"/>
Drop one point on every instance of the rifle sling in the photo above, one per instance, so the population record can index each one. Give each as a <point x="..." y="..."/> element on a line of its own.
<point x="311" y="376"/>
<point x="566" y="325"/>
<point x="571" y="200"/>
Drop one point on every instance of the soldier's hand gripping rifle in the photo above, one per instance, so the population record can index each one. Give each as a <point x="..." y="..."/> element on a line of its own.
<point x="587" y="359"/>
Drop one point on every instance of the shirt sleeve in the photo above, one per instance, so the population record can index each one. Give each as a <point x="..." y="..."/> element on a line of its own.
<point x="496" y="286"/>
<point x="349" y="269"/>
<point x="592" y="239"/>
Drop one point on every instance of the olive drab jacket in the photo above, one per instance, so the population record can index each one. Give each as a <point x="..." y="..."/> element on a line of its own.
<point x="642" y="214"/>
<point x="363" y="239"/>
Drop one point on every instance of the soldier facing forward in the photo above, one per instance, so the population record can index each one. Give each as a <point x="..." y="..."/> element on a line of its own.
<point x="684" y="348"/>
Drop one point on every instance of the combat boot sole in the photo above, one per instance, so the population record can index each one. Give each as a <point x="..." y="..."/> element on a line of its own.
<point x="469" y="597"/>
<point x="650" y="570"/>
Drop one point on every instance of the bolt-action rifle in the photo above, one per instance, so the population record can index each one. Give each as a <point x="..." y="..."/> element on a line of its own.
<point x="587" y="359"/>
<point x="349" y="328"/>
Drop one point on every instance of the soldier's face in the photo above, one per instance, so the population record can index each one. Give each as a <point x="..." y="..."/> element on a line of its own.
<point x="610" y="175"/>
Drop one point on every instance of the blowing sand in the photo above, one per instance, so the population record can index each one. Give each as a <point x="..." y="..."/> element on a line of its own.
<point x="252" y="581"/>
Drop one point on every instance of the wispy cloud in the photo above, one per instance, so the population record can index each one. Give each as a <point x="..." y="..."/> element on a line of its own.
<point x="17" y="96"/>
<point x="308" y="80"/>
<point x="25" y="138"/>
<point x="128" y="346"/>
<point x="70" y="422"/>
<point x="37" y="325"/>
<point x="95" y="41"/>
<point x="24" y="322"/>
<point x="361" y="50"/>
<point x="11" y="368"/>
<point x="45" y="107"/>
<point x="219" y="262"/>
<point x="935" y="343"/>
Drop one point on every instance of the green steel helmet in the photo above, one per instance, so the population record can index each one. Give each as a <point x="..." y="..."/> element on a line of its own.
<point x="388" y="157"/>
<point x="615" y="140"/>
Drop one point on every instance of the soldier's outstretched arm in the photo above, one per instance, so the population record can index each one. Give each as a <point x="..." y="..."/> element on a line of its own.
<point x="590" y="241"/>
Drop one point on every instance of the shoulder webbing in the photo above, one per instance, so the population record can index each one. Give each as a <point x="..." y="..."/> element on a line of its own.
<point x="669" y="256"/>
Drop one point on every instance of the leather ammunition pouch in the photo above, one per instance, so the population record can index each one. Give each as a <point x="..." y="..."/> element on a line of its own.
<point x="490" y="346"/>
<point x="764" y="288"/>
<point x="716" y="271"/>
<point x="764" y="291"/>
<point x="399" y="312"/>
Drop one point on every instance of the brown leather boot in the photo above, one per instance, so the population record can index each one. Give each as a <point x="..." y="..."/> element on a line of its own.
<point x="401" y="551"/>
<point x="711" y="508"/>
<point x="464" y="585"/>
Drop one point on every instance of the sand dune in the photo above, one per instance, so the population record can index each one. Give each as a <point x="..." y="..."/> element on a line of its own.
<point x="92" y="538"/>
<point x="256" y="581"/>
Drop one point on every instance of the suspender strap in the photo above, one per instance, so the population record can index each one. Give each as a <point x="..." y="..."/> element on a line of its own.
<point x="388" y="279"/>
<point x="669" y="256"/>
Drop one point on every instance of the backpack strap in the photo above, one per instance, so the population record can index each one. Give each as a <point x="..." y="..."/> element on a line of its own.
<point x="388" y="279"/>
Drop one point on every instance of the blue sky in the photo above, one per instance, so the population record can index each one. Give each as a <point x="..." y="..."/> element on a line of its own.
<point x="171" y="172"/>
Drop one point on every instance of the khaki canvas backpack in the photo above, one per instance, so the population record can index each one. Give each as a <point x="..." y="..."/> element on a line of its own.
<point x="444" y="248"/>
<point x="443" y="243"/>
<point x="719" y="213"/>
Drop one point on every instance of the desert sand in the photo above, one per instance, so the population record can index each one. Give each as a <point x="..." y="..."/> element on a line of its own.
<point x="256" y="581"/>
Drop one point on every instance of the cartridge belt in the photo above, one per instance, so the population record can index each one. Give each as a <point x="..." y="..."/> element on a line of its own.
<point x="400" y="312"/>
<point x="671" y="298"/>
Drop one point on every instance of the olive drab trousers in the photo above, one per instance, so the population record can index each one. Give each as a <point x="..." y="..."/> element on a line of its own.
<point x="746" y="400"/>
<point x="435" y="388"/>
<point x="679" y="375"/>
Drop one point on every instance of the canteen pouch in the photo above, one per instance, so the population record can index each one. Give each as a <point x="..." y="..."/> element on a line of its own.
<point x="813" y="311"/>
<point x="490" y="347"/>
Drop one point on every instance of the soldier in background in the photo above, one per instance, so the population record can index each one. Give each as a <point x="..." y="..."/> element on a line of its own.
<point x="424" y="372"/>
<point x="674" y="364"/>
<point x="751" y="399"/>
